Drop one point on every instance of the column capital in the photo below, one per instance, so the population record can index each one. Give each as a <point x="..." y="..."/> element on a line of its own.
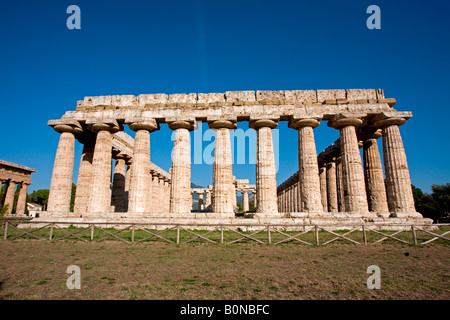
<point x="343" y="120"/>
<point x="386" y="119"/>
<point x="256" y="123"/>
<point x="222" y="123"/>
<point x="300" y="121"/>
<point x="110" y="125"/>
<point x="181" y="124"/>
<point x="142" y="124"/>
<point x="66" y="125"/>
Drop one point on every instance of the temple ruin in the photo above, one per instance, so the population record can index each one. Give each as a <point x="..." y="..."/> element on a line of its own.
<point x="331" y="187"/>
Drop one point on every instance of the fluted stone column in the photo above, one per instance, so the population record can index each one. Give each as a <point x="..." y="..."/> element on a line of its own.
<point x="208" y="200"/>
<point x="374" y="178"/>
<point x="140" y="180"/>
<point x="308" y="166"/>
<point x="340" y="185"/>
<point x="398" y="181"/>
<point x="154" y="192"/>
<point x="266" y="183"/>
<point x="100" y="190"/>
<point x="323" y="187"/>
<point x="355" y="199"/>
<point x="245" y="206"/>
<point x="180" y="192"/>
<point x="223" y="184"/>
<point x="22" y="200"/>
<point x="118" y="190"/>
<point x="166" y="207"/>
<point x="84" y="178"/>
<point x="332" y="194"/>
<point x="62" y="176"/>
<point x="9" y="197"/>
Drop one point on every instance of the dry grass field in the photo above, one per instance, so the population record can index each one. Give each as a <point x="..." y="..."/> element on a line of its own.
<point x="36" y="269"/>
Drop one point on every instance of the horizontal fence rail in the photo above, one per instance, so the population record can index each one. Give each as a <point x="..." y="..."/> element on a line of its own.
<point x="311" y="235"/>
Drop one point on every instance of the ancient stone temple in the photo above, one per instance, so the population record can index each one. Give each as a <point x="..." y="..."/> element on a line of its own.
<point x="335" y="185"/>
<point x="15" y="177"/>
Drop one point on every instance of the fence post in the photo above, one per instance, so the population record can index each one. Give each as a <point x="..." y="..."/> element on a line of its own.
<point x="51" y="232"/>
<point x="5" y="236"/>
<point x="269" y="236"/>
<point x="178" y="234"/>
<point x="316" y="230"/>
<point x="221" y="234"/>
<point x="92" y="232"/>
<point x="413" y="230"/>
<point x="364" y="235"/>
<point x="132" y="233"/>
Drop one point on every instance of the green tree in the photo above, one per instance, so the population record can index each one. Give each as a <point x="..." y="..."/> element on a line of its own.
<point x="436" y="205"/>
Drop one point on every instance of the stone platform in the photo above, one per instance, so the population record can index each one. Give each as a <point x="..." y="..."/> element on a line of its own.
<point x="209" y="221"/>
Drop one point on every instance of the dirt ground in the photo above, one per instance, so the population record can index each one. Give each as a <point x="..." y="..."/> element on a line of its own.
<point x="33" y="269"/>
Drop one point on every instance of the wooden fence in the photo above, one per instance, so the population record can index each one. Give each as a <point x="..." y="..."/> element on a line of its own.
<point x="311" y="235"/>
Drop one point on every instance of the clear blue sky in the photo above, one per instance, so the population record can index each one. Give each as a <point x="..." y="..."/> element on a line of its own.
<point x="134" y="47"/>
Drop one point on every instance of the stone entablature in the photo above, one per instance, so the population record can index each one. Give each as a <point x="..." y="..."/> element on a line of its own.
<point x="236" y="98"/>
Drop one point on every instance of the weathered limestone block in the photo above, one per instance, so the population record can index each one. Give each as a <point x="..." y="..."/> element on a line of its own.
<point x="124" y="101"/>
<point x="324" y="95"/>
<point x="301" y="96"/>
<point x="265" y="95"/>
<point x="236" y="96"/>
<point x="152" y="99"/>
<point x="97" y="101"/>
<point x="211" y="97"/>
<point x="190" y="98"/>
<point x="355" y="95"/>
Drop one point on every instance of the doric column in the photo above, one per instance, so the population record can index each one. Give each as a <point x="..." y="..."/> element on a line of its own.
<point x="332" y="194"/>
<point x="119" y="198"/>
<point x="323" y="187"/>
<point x="373" y="174"/>
<point x="180" y="192"/>
<point x="162" y="192"/>
<point x="245" y="206"/>
<point x="398" y="181"/>
<point x="22" y="200"/>
<point x="299" y="197"/>
<point x="100" y="188"/>
<point x="62" y="176"/>
<point x="340" y="185"/>
<point x="355" y="199"/>
<point x="166" y="205"/>
<point x="9" y="197"/>
<point x="208" y="199"/>
<point x="154" y="192"/>
<point x="84" y="177"/>
<point x="140" y="181"/>
<point x="223" y="185"/>
<point x="308" y="166"/>
<point x="266" y="183"/>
